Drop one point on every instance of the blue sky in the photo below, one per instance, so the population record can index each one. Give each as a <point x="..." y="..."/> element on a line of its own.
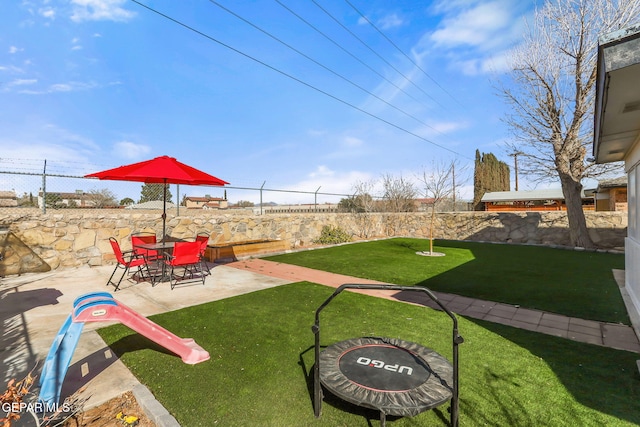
<point x="93" y="84"/>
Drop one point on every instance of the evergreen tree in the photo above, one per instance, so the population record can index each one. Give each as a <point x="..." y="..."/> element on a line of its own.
<point x="490" y="174"/>
<point x="151" y="192"/>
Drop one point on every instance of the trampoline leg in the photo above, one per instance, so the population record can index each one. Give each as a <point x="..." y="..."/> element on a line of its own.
<point x="317" y="402"/>
<point x="383" y="419"/>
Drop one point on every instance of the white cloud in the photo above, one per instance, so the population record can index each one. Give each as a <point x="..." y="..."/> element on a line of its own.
<point x="130" y="150"/>
<point x="331" y="181"/>
<point x="446" y="6"/>
<point x="13" y="49"/>
<point x="321" y="179"/>
<point x="352" y="141"/>
<point x="28" y="149"/>
<point x="321" y="171"/>
<point x="315" y="133"/>
<point x="23" y="82"/>
<point x="490" y="65"/>
<point x="47" y="141"/>
<point x="390" y="21"/>
<point x="63" y="87"/>
<point x="11" y="68"/>
<point x="447" y="127"/>
<point x="66" y="136"/>
<point x="484" y="24"/>
<point x="47" y="12"/>
<point x="54" y="88"/>
<point x="476" y="35"/>
<point x="76" y="44"/>
<point x="100" y="10"/>
<point x="441" y="132"/>
<point x="17" y="83"/>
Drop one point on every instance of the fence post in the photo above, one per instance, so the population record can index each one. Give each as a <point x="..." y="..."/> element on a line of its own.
<point x="44" y="188"/>
<point x="261" y="187"/>
<point x="315" y="200"/>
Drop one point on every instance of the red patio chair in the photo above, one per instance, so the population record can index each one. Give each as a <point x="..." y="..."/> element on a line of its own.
<point x="203" y="238"/>
<point x="127" y="260"/>
<point x="185" y="263"/>
<point x="145" y="238"/>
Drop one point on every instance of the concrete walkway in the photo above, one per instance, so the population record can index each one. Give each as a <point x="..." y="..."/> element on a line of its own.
<point x="612" y="335"/>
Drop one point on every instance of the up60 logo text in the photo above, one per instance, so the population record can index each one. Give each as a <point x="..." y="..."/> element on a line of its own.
<point x="382" y="365"/>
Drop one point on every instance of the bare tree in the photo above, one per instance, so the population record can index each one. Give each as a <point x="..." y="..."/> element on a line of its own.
<point x="399" y="194"/>
<point x="438" y="186"/>
<point x="399" y="198"/>
<point x="102" y="198"/>
<point x="551" y="94"/>
<point x="361" y="205"/>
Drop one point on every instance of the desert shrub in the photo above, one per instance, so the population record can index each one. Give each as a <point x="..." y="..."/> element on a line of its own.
<point x="332" y="235"/>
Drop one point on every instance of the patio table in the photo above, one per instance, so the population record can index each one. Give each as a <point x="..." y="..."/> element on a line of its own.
<point x="158" y="246"/>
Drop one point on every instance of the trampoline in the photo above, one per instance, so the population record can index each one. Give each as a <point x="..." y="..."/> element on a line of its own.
<point x="393" y="376"/>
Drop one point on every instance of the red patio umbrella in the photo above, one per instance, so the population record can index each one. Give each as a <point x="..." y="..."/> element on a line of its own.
<point x="161" y="170"/>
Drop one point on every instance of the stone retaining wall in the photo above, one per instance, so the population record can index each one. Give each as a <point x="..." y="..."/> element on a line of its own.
<point x="72" y="238"/>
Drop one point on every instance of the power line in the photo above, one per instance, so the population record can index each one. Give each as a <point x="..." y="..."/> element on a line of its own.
<point x="294" y="78"/>
<point x="402" y="52"/>
<point x="375" y="53"/>
<point x="338" y="45"/>
<point x="335" y="73"/>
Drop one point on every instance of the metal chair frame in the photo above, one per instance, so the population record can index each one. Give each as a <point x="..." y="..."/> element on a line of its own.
<point x="203" y="238"/>
<point x="127" y="260"/>
<point x="186" y="257"/>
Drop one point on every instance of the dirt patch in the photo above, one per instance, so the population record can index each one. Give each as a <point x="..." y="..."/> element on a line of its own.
<point x="106" y="415"/>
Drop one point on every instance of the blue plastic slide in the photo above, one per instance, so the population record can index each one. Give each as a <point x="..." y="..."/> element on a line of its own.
<point x="57" y="361"/>
<point x="98" y="307"/>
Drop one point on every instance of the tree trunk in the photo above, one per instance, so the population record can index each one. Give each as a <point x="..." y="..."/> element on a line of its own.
<point x="578" y="233"/>
<point x="433" y="223"/>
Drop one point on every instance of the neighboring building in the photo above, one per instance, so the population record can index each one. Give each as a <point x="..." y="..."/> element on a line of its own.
<point x="152" y="204"/>
<point x="424" y="205"/>
<point x="617" y="138"/>
<point x="304" y="208"/>
<point x="8" y="199"/>
<point x="611" y="195"/>
<point x="206" y="202"/>
<point x="536" y="200"/>
<point x="79" y="199"/>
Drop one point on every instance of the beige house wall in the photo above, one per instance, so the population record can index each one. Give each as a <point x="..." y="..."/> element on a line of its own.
<point x="632" y="241"/>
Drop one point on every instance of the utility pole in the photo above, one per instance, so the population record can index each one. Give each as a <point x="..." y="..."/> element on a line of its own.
<point x="453" y="183"/>
<point x="515" y="161"/>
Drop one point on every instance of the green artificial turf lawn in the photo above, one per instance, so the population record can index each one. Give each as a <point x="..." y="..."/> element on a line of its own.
<point x="574" y="283"/>
<point x="261" y="348"/>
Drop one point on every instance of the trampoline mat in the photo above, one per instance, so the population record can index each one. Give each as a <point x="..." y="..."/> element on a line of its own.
<point x="397" y="377"/>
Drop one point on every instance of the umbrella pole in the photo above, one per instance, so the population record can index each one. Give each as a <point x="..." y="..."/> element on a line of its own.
<point x="164" y="210"/>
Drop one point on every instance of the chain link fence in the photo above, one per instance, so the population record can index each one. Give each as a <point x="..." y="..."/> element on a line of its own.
<point x="45" y="186"/>
<point x="45" y="191"/>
